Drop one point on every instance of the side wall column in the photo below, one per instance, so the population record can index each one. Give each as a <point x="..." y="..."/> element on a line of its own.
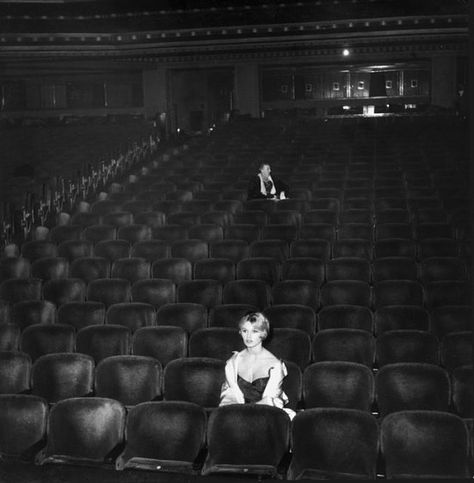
<point x="154" y="91"/>
<point x="246" y="88"/>
<point x="443" y="81"/>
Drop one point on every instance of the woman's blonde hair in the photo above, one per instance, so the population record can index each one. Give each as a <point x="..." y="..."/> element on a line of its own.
<point x="257" y="319"/>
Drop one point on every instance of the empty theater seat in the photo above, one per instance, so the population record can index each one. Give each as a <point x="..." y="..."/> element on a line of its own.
<point x="83" y="430"/>
<point x="353" y="345"/>
<point x="245" y="291"/>
<point x="411" y="385"/>
<point x="346" y="292"/>
<point x="23" y="418"/>
<point x="163" y="343"/>
<point x="30" y="312"/>
<point x="301" y="292"/>
<point x="81" y="314"/>
<point x="154" y="291"/>
<point x="293" y="316"/>
<point x="14" y="267"/>
<point x="246" y="439"/>
<point x="64" y="375"/>
<point x="424" y="444"/>
<point x="332" y="443"/>
<point x="15" y="372"/>
<point x="130" y="379"/>
<point x="16" y="289"/>
<point x="406" y="346"/>
<point x="194" y="379"/>
<point x="37" y="340"/>
<point x="338" y="384"/>
<point x="215" y="342"/>
<point x="164" y="436"/>
<point x="228" y="315"/>
<point x="345" y="317"/>
<point x="133" y="315"/>
<point x="101" y="341"/>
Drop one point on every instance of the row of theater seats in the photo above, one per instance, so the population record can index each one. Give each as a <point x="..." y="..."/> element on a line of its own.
<point x="192" y="316"/>
<point x="266" y="268"/>
<point x="166" y="343"/>
<point x="259" y="440"/>
<point x="210" y="293"/>
<point x="258" y="290"/>
<point x="133" y="379"/>
<point x="249" y="226"/>
<point x="241" y="245"/>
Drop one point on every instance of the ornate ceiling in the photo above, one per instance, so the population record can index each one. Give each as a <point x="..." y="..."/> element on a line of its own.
<point x="189" y="30"/>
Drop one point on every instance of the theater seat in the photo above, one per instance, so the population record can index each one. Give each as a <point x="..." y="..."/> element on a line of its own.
<point x="64" y="375"/>
<point x="451" y="318"/>
<point x="154" y="291"/>
<point x="462" y="389"/>
<point x="14" y="267"/>
<point x="245" y="291"/>
<point x="150" y="250"/>
<point x="164" y="436"/>
<point x="81" y="314"/>
<point x="23" y="419"/>
<point x="34" y="249"/>
<point x="221" y="269"/>
<point x="112" y="249"/>
<point x="456" y="350"/>
<point x="187" y="315"/>
<point x="229" y="315"/>
<point x="101" y="341"/>
<point x="246" y="439"/>
<point x="129" y="379"/>
<point x="163" y="343"/>
<point x="398" y="292"/>
<point x="333" y="443"/>
<point x="29" y="312"/>
<point x="290" y="344"/>
<point x="90" y="268"/>
<point x="352" y="345"/>
<point x="109" y="290"/>
<point x="194" y="379"/>
<point x="346" y="292"/>
<point x="411" y="385"/>
<point x="16" y="290"/>
<point x="301" y="292"/>
<point x="406" y="346"/>
<point x="340" y="384"/>
<point x="15" y="372"/>
<point x="133" y="315"/>
<point x="277" y="249"/>
<point x="292" y="316"/>
<point x="234" y="249"/>
<point x="424" y="444"/>
<point x="83" y="430"/>
<point x="345" y="317"/>
<point x="215" y="342"/>
<point x="37" y="340"/>
<point x="401" y="317"/>
<point x="314" y="248"/>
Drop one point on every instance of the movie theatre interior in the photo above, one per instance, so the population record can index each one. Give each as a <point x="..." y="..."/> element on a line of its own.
<point x="235" y="241"/>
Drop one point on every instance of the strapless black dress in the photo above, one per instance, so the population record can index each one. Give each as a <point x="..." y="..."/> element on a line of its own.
<point x="252" y="391"/>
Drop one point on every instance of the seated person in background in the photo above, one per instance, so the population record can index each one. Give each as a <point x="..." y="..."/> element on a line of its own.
<point x="264" y="186"/>
<point x="254" y="375"/>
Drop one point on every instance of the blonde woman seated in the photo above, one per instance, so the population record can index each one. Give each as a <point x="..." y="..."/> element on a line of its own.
<point x="254" y="375"/>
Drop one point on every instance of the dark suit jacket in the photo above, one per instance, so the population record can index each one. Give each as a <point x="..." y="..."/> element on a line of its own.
<point x="254" y="189"/>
